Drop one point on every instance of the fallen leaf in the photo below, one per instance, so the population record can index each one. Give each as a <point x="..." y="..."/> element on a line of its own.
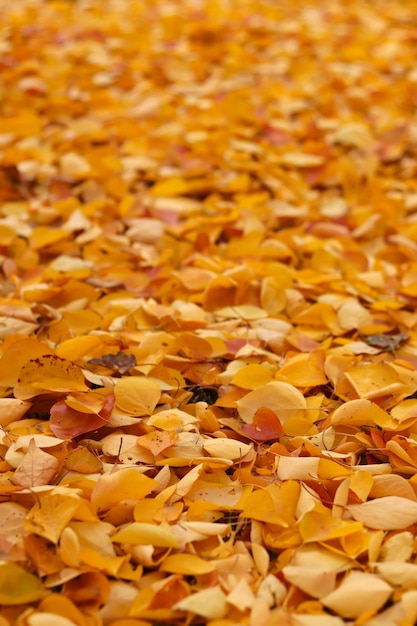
<point x="137" y="396"/>
<point x="282" y="398"/>
<point x="265" y="426"/>
<point x="386" y="513"/>
<point x="37" y="468"/>
<point x="209" y="603"/>
<point x="139" y="533"/>
<point x="120" y="485"/>
<point x="370" y="594"/>
<point x="48" y="374"/>
<point x="18" y="586"/>
<point x="68" y="423"/>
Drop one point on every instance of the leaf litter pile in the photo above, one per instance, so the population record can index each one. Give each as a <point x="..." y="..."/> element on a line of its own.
<point x="208" y="250"/>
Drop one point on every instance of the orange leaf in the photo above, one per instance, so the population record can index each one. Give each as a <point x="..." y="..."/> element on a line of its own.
<point x="16" y="355"/>
<point x="157" y="441"/>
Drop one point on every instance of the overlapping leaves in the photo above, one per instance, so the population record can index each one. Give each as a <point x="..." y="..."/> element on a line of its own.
<point x="207" y="313"/>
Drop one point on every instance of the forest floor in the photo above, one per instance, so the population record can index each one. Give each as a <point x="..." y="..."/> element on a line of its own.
<point x="208" y="326"/>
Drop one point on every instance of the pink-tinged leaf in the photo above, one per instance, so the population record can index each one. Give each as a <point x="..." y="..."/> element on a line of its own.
<point x="68" y="423"/>
<point x="265" y="426"/>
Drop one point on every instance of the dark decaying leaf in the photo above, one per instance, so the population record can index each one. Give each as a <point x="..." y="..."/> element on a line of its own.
<point x="389" y="343"/>
<point x="120" y="363"/>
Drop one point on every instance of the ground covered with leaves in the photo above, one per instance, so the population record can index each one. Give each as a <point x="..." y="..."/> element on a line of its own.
<point x="208" y="251"/>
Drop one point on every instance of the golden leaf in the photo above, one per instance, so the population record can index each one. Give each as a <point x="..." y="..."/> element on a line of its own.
<point x="136" y="395"/>
<point x="140" y="533"/>
<point x="50" y="515"/>
<point x="48" y="374"/>
<point x="120" y="485"/>
<point x="252" y="376"/>
<point x="18" y="586"/>
<point x="188" y="564"/>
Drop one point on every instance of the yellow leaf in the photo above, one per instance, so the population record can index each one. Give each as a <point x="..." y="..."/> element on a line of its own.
<point x="18" y="586"/>
<point x="298" y="468"/>
<point x="246" y="312"/>
<point x="405" y="412"/>
<point x="301" y="159"/>
<point x="273" y="298"/>
<point x="361" y="412"/>
<point x="137" y="395"/>
<point x="120" y="485"/>
<point x="22" y="124"/>
<point x="76" y="348"/>
<point x="50" y="514"/>
<point x="273" y="504"/>
<point x="361" y="483"/>
<point x="252" y="376"/>
<point x="48" y="374"/>
<point x="187" y="564"/>
<point x="43" y="236"/>
<point x="209" y="603"/>
<point x="171" y="419"/>
<point x="60" y="605"/>
<point x="398" y="573"/>
<point x="353" y="315"/>
<point x="304" y="370"/>
<point x="282" y="398"/>
<point x="170" y="187"/>
<point x="41" y="618"/>
<point x="321" y="526"/>
<point x="84" y="461"/>
<point x="386" y="513"/>
<point x="18" y="353"/>
<point x="226" y="448"/>
<point x="140" y="533"/>
<point x="374" y="380"/>
<point x="315" y="581"/>
<point x="91" y="402"/>
<point x="358" y="593"/>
